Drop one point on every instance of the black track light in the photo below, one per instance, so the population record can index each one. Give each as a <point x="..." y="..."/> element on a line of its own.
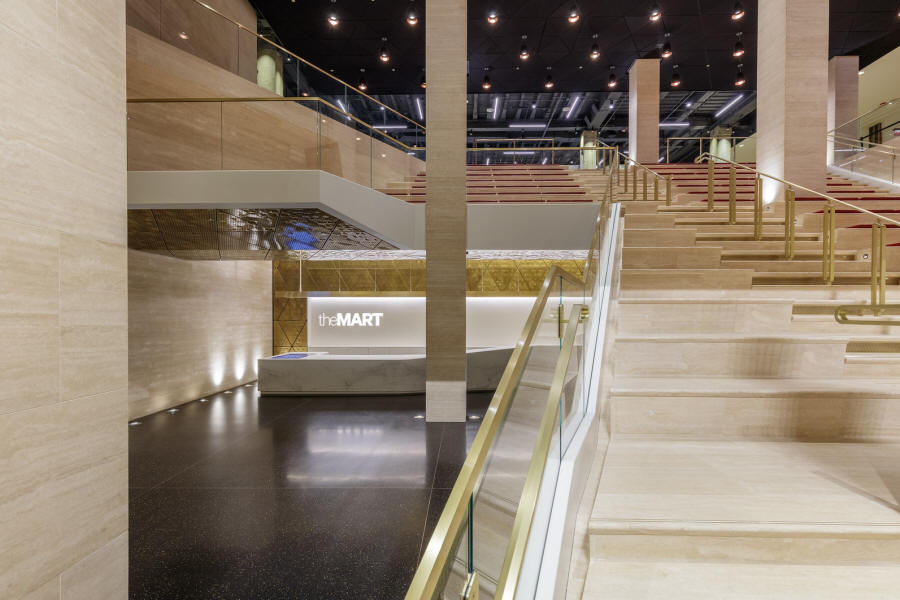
<point x="676" y="77"/>
<point x="666" y="49"/>
<point x="655" y="12"/>
<point x="486" y="83"/>
<point x="548" y="83"/>
<point x="738" y="47"/>
<point x="738" y="12"/>
<point x="611" y="83"/>
<point x="739" y="79"/>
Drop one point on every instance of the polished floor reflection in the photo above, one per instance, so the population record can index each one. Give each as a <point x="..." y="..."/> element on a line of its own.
<point x="246" y="497"/>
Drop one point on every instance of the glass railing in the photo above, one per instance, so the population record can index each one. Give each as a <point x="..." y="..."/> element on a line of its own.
<point x="878" y="126"/>
<point x="271" y="133"/>
<point x="878" y="161"/>
<point x="224" y="40"/>
<point x="493" y="518"/>
<point x="686" y="149"/>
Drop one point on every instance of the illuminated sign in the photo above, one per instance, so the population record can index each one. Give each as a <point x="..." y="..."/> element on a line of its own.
<point x="347" y="319"/>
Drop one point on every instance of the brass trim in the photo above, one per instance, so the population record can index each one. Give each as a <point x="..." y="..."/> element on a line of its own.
<point x="842" y="314"/>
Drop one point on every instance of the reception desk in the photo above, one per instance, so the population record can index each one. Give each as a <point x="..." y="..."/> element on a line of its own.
<point x="326" y="373"/>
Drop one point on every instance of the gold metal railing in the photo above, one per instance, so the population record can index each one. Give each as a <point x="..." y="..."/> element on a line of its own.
<point x="829" y="223"/>
<point x="449" y="568"/>
<point x="300" y="59"/>
<point x="700" y="139"/>
<point x="630" y="168"/>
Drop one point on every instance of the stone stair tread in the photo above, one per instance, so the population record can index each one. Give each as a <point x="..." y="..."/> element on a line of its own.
<point x="786" y="338"/>
<point x="693" y="387"/>
<point x="747" y="488"/>
<point x="644" y="580"/>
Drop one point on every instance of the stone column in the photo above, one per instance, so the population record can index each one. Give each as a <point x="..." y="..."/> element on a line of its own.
<point x="269" y="73"/>
<point x="445" y="211"/>
<point x="843" y="103"/>
<point x="792" y="93"/>
<point x="643" y="110"/>
<point x="588" y="158"/>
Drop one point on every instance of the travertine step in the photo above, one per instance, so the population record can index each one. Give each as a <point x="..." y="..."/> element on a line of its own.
<point x="728" y="355"/>
<point x="677" y="580"/>
<point x="690" y="257"/>
<point x="747" y="502"/>
<point x="659" y="237"/>
<point x="686" y="279"/>
<point x="811" y="409"/>
<point x="796" y="266"/>
<point x="815" y="277"/>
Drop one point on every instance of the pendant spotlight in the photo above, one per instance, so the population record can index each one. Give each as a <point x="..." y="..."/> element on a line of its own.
<point x="362" y="86"/>
<point x="655" y="12"/>
<point x="739" y="79"/>
<point x="422" y="82"/>
<point x="738" y="13"/>
<point x="523" y="51"/>
<point x="493" y="17"/>
<point x="738" y="46"/>
<point x="548" y="83"/>
<point x="611" y="83"/>
<point x="676" y="78"/>
<point x="333" y="19"/>
<point x="383" y="54"/>
<point x="667" y="48"/>
<point x="412" y="17"/>
<point x="573" y="15"/>
<point x="486" y="83"/>
<point x="595" y="52"/>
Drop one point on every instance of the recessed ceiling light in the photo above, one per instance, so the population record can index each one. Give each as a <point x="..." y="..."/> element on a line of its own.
<point x="204" y="399"/>
<point x="183" y="35"/>
<point x="419" y="417"/>
<point x="861" y="72"/>
<point x="689" y="104"/>
<point x="134" y="423"/>
<point x="474" y="418"/>
<point x="172" y="411"/>
<point x="738" y="12"/>
<point x="655" y="12"/>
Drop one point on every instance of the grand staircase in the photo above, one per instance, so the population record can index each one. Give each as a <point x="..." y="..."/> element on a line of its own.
<point x="754" y="446"/>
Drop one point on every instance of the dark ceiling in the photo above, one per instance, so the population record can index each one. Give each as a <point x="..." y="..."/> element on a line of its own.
<point x="702" y="35"/>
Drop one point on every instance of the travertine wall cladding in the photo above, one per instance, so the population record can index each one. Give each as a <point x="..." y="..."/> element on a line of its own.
<point x="195" y="327"/>
<point x="63" y="308"/>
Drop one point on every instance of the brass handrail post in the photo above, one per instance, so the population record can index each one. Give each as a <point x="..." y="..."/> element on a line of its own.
<point x="710" y="184"/>
<point x="879" y="264"/>
<point x="634" y="171"/>
<point x="758" y="210"/>
<point x="828" y="230"/>
<point x="625" y="168"/>
<point x="645" y="184"/>
<point x="789" y="223"/>
<point x="668" y="190"/>
<point x="656" y="189"/>
<point x="732" y="195"/>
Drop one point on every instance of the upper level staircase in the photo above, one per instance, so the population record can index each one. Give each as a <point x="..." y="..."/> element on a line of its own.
<point x="754" y="442"/>
<point x="505" y="183"/>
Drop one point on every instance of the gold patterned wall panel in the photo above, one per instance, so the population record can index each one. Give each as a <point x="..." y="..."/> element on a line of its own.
<point x="292" y="280"/>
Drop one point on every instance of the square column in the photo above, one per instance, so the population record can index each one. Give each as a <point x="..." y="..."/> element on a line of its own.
<point x="792" y="95"/>
<point x="445" y="211"/>
<point x="843" y="104"/>
<point x="643" y="110"/>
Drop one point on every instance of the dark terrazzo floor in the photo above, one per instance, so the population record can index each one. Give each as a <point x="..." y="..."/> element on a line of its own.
<point x="242" y="497"/>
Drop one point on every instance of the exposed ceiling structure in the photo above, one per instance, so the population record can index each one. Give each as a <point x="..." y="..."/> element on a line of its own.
<point x="239" y="234"/>
<point x="701" y="33"/>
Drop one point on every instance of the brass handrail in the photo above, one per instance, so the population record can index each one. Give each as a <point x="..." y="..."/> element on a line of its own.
<point x="437" y="555"/>
<point x="842" y="314"/>
<point x="701" y="138"/>
<point x="647" y="172"/>
<point x="508" y="581"/>
<point x="707" y="156"/>
<point x="304" y="61"/>
<point x="865" y="114"/>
